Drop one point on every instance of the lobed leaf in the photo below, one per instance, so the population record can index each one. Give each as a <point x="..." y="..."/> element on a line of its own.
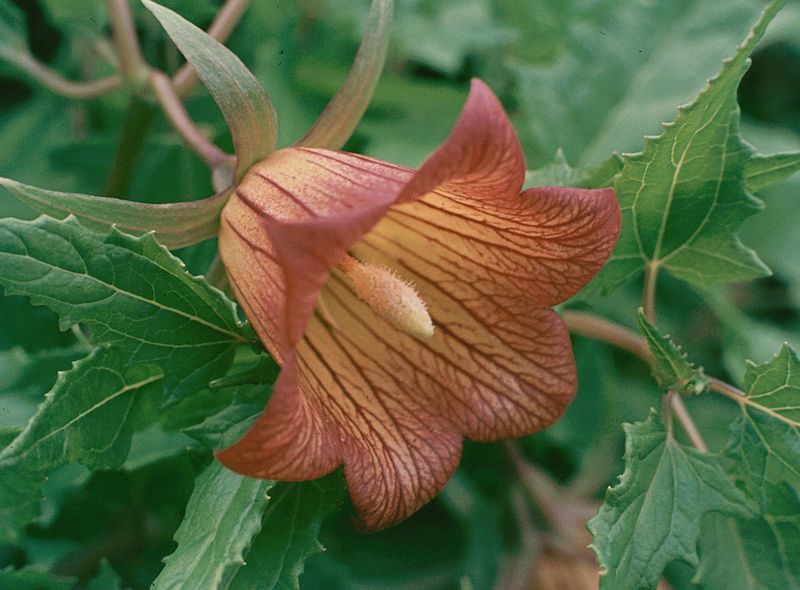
<point x="289" y="534"/>
<point x="175" y="224"/>
<point x="128" y="291"/>
<point x="223" y="515"/>
<point x="684" y="196"/>
<point x="245" y="105"/>
<point x="766" y="439"/>
<point x="762" y="553"/>
<point x="671" y="366"/>
<point x="652" y="516"/>
<point x="764" y="171"/>
<point x="88" y="416"/>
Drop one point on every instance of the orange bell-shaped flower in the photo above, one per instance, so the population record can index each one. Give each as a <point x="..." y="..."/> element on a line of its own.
<point x="486" y="260"/>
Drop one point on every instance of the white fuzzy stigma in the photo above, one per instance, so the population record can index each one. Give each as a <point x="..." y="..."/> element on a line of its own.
<point x="392" y="298"/>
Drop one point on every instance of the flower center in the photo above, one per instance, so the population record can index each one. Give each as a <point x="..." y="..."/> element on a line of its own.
<point x="389" y="296"/>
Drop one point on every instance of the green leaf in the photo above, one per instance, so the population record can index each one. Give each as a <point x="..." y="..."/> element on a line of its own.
<point x="87" y="17"/>
<point x="224" y="427"/>
<point x="684" y="197"/>
<point x="480" y="519"/>
<point x="33" y="579"/>
<point x="7" y="435"/>
<point x="129" y="291"/>
<point x="652" y="516"/>
<point x="671" y="366"/>
<point x="766" y="439"/>
<point x="560" y="173"/>
<point x="617" y="70"/>
<point x="13" y="31"/>
<point x="289" y="534"/>
<point x="30" y="374"/>
<point x="763" y="552"/>
<point x="758" y="554"/>
<point x="175" y="225"/>
<point x="244" y="103"/>
<point x="106" y="579"/>
<point x="88" y="416"/>
<point x="442" y="35"/>
<point x="222" y="517"/>
<point x="764" y="171"/>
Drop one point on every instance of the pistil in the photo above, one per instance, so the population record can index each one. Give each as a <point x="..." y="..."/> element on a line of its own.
<point x="389" y="296"/>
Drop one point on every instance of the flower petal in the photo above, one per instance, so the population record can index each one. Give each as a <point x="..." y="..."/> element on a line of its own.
<point x="290" y="441"/>
<point x="482" y="154"/>
<point x="289" y="222"/>
<point x="398" y="406"/>
<point x="499" y="364"/>
<point x="546" y="243"/>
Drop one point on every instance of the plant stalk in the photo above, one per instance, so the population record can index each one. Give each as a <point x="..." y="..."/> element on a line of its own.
<point x="173" y="108"/>
<point x="131" y="63"/>
<point x="56" y="83"/>
<point x="139" y="118"/>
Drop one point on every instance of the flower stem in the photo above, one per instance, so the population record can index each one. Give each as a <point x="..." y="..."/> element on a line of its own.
<point x="131" y="62"/>
<point x="223" y="25"/>
<point x="55" y="82"/>
<point x="176" y="113"/>
<point x="139" y="118"/>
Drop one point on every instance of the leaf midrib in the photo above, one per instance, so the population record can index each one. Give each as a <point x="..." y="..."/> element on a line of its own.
<point x="115" y="288"/>
<point x="101" y="403"/>
<point x="656" y="258"/>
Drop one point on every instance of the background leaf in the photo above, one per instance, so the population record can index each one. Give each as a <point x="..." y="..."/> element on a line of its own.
<point x="88" y="417"/>
<point x="222" y="517"/>
<point x="128" y="291"/>
<point x="618" y="70"/>
<point x="31" y="579"/>
<point x="652" y="516"/>
<point x="289" y="534"/>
